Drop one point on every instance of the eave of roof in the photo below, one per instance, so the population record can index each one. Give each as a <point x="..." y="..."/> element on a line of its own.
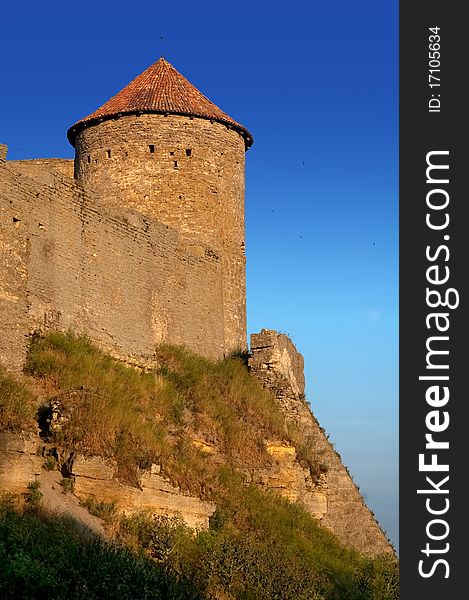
<point x="160" y="89"/>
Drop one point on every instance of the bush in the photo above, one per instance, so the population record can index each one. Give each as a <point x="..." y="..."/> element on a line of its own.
<point x="45" y="557"/>
<point x="111" y="409"/>
<point x="259" y="546"/>
<point x="50" y="464"/>
<point x="140" y="418"/>
<point x="67" y="484"/>
<point x="33" y="494"/>
<point x="103" y="510"/>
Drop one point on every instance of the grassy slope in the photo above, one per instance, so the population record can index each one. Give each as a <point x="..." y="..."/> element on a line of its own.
<point x="258" y="545"/>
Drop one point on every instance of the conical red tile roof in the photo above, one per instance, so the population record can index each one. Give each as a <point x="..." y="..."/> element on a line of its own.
<point x="159" y="89"/>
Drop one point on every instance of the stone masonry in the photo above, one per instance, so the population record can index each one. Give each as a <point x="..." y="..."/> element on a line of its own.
<point x="71" y="260"/>
<point x="140" y="239"/>
<point x="184" y="172"/>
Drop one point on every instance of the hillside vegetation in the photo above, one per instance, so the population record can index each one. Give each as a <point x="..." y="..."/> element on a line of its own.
<point x="206" y="424"/>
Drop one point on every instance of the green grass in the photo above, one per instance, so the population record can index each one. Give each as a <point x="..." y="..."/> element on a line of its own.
<point x="140" y="418"/>
<point x="113" y="410"/>
<point x="18" y="405"/>
<point x="258" y="547"/>
<point x="33" y="494"/>
<point x="44" y="557"/>
<point x="100" y="509"/>
<point x="281" y="555"/>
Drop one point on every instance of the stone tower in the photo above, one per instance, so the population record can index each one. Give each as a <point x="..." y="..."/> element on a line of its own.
<point x="163" y="148"/>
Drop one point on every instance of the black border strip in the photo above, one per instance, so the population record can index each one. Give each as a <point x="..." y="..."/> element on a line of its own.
<point x="442" y="132"/>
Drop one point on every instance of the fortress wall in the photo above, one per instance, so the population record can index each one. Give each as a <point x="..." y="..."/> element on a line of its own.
<point x="72" y="260"/>
<point x="14" y="253"/>
<point x="37" y="167"/>
<point x="186" y="172"/>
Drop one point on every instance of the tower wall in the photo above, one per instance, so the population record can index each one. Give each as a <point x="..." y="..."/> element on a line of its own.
<point x="186" y="172"/>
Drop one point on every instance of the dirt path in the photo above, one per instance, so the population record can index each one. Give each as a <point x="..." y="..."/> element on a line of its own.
<point x="55" y="500"/>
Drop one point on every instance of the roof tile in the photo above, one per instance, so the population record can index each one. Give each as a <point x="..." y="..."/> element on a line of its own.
<point x="160" y="89"/>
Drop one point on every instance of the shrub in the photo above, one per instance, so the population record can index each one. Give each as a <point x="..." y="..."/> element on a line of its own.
<point x="140" y="418"/>
<point x="67" y="485"/>
<point x="111" y="409"/>
<point x="33" y="494"/>
<point x="50" y="463"/>
<point x="101" y="509"/>
<point x="259" y="546"/>
<point x="51" y="557"/>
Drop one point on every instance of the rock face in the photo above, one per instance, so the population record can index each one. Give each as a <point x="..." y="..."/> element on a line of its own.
<point x="94" y="476"/>
<point x="293" y="481"/>
<point x="21" y="463"/>
<point x="311" y="473"/>
<point x="325" y="488"/>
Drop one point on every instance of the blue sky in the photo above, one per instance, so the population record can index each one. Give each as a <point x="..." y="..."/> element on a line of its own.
<point x="316" y="84"/>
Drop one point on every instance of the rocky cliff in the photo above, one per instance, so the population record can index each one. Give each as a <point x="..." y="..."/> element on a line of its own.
<point x="286" y="453"/>
<point x="323" y="485"/>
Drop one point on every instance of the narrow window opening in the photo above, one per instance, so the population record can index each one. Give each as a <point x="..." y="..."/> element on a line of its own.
<point x="171" y="153"/>
<point x="96" y="161"/>
<point x="89" y="158"/>
<point x="188" y="152"/>
<point x="108" y="153"/>
<point x="151" y="147"/>
<point x="176" y="164"/>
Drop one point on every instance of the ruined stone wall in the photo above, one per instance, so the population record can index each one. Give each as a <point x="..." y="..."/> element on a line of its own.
<point x="72" y="260"/>
<point x="186" y="172"/>
<point x="331" y="495"/>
